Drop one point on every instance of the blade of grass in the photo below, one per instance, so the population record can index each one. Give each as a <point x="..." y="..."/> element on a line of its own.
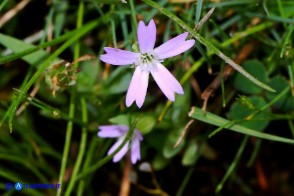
<point x="198" y="11"/>
<point x="17" y="45"/>
<point x="271" y="18"/>
<point x="133" y="14"/>
<point x="32" y="49"/>
<point x="233" y="165"/>
<point x="286" y="39"/>
<point x="213" y="119"/>
<point x="254" y="154"/>
<point x="291" y="126"/>
<point x="3" y="4"/>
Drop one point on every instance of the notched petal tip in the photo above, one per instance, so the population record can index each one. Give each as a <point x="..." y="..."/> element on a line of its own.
<point x="139" y="104"/>
<point x="184" y="35"/>
<point x="129" y="102"/>
<point x="138" y="88"/>
<point x="117" y="56"/>
<point x="174" y="46"/>
<point x="135" y="151"/>
<point x="146" y="36"/>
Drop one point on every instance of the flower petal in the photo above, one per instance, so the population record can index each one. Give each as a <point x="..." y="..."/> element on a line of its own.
<point x="138" y="135"/>
<point x="174" y="46"/>
<point x="116" y="56"/>
<point x="166" y="82"/>
<point x="135" y="151"/>
<point x="146" y="36"/>
<point x="122" y="151"/>
<point x="138" y="88"/>
<point x="111" y="131"/>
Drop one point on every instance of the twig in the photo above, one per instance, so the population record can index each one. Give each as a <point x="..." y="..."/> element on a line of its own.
<point x="204" y="19"/>
<point x="228" y="70"/>
<point x="126" y="183"/>
<point x="185" y="130"/>
<point x="11" y="13"/>
<point x="30" y="98"/>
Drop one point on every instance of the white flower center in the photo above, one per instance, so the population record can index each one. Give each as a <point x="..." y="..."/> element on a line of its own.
<point x="147" y="62"/>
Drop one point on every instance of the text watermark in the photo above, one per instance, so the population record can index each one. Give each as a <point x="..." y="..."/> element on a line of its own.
<point x="20" y="186"/>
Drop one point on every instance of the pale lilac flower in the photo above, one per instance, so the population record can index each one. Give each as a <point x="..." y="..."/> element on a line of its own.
<point x="120" y="132"/>
<point x="149" y="60"/>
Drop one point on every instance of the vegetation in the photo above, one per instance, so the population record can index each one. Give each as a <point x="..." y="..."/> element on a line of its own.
<point x="230" y="133"/>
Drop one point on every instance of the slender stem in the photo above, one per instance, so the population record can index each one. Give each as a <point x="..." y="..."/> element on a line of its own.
<point x="133" y="13"/>
<point x="233" y="165"/>
<point x="70" y="123"/>
<point x="67" y="141"/>
<point x="291" y="125"/>
<point x="113" y="33"/>
<point x="185" y="181"/>
<point x="84" y="111"/>
<point x="82" y="149"/>
<point x="278" y="97"/>
<point x="90" y="152"/>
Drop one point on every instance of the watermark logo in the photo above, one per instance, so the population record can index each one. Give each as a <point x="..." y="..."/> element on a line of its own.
<point x="18" y="186"/>
<point x="21" y="186"/>
<point x="9" y="186"/>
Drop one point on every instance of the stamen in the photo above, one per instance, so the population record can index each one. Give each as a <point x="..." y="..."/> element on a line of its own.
<point x="147" y="62"/>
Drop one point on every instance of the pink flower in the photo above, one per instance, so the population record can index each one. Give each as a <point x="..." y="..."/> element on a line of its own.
<point x="149" y="60"/>
<point x="120" y="132"/>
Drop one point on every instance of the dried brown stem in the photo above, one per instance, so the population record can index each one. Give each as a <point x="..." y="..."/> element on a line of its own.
<point x="126" y="183"/>
<point x="11" y="13"/>
<point x="245" y="51"/>
<point x="183" y="133"/>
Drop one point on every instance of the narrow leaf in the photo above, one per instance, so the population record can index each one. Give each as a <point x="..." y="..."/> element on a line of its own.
<point x="213" y="119"/>
<point x="17" y="45"/>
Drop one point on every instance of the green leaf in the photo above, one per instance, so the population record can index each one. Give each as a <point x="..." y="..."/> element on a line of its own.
<point x="118" y="81"/>
<point x="238" y="111"/>
<point x="168" y="148"/>
<point x="159" y="162"/>
<point x="17" y="45"/>
<point x="87" y="76"/>
<point x="121" y="119"/>
<point x="286" y="103"/>
<point x="256" y="69"/>
<point x="213" y="119"/>
<point x="190" y="157"/>
<point x="145" y="123"/>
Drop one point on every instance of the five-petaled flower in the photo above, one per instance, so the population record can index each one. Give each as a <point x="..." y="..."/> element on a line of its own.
<point x="120" y="132"/>
<point x="148" y="60"/>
